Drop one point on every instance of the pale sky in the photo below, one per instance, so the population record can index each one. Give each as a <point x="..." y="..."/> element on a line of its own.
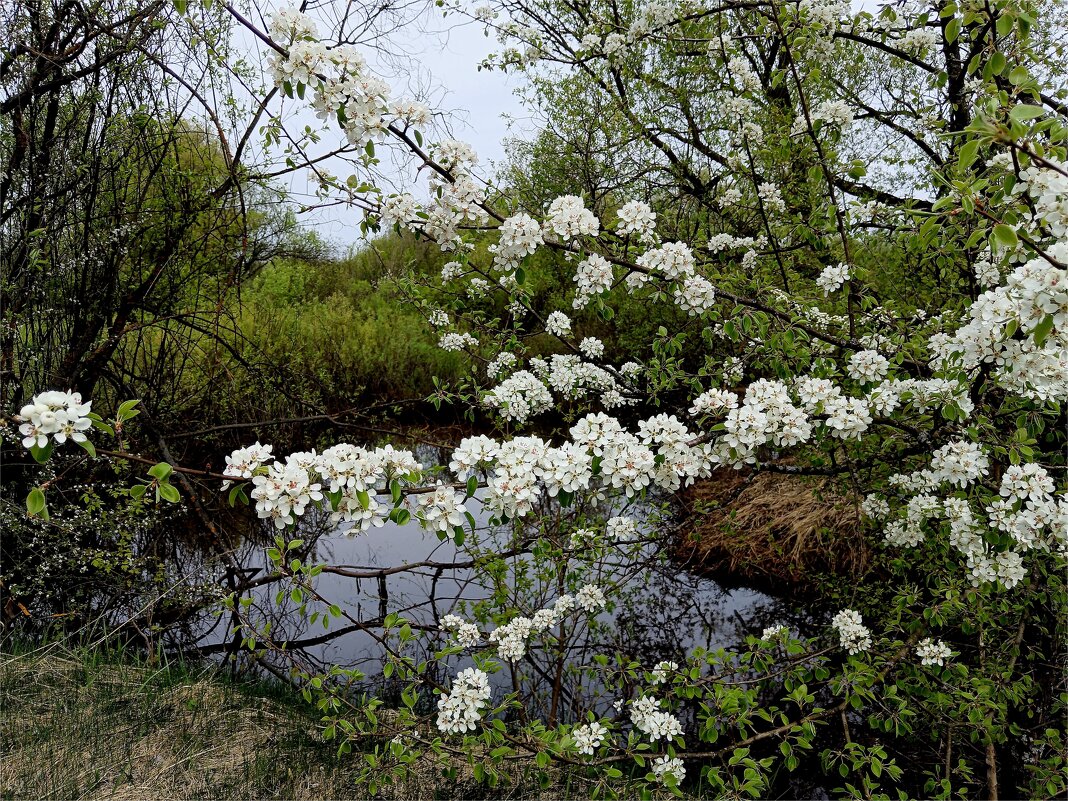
<point x="478" y="106"/>
<point x="481" y="107"/>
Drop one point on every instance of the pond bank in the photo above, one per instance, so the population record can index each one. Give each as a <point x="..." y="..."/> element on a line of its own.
<point x="85" y="723"/>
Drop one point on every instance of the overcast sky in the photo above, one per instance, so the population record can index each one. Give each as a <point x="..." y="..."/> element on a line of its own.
<point x="481" y="107"/>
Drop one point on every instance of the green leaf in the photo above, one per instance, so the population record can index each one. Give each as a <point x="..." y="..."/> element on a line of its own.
<point x="169" y="493"/>
<point x="1024" y="112"/>
<point x="160" y="471"/>
<point x="953" y="29"/>
<point x="472" y="485"/>
<point x="88" y="447"/>
<point x="369" y="148"/>
<point x="1043" y="330"/>
<point x="179" y="6"/>
<point x="35" y="503"/>
<point x="1005" y="235"/>
<point x="41" y="454"/>
<point x="127" y="410"/>
<point x="967" y="154"/>
<point x="102" y="426"/>
<point x="237" y="493"/>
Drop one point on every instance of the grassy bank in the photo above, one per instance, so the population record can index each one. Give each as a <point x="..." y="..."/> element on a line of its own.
<point x="81" y="724"/>
<point x="91" y="724"/>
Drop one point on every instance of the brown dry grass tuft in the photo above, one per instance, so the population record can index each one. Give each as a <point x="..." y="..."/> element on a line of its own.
<point x="769" y="528"/>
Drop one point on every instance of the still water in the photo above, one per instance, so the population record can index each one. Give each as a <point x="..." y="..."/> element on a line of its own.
<point x="659" y="609"/>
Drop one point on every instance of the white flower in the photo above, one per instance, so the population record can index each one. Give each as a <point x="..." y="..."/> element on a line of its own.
<point x="501" y="362"/>
<point x="589" y="737"/>
<point x="1010" y="569"/>
<point x="593" y="275"/>
<point x="853" y="635"/>
<point x="648" y="718"/>
<point x="661" y="670"/>
<point x="695" y="295"/>
<point x="636" y="218"/>
<point x="558" y="324"/>
<point x="714" y="402"/>
<point x="466" y="634"/>
<point x="455" y="342"/>
<point x="520" y="235"/>
<point x="568" y="217"/>
<point x="959" y="463"/>
<point x="520" y="396"/>
<point x="663" y="767"/>
<point x="441" y="510"/>
<point x="621" y="528"/>
<point x="933" y="652"/>
<point x="471" y="454"/>
<point x="673" y="260"/>
<point x="1026" y="482"/>
<point x="591" y="598"/>
<point x="454" y="155"/>
<point x="867" y="366"/>
<point x="832" y="278"/>
<point x="774" y="633"/>
<point x="284" y="493"/>
<point x="875" y="507"/>
<point x="59" y="415"/>
<point x="460" y="710"/>
<point x="771" y="197"/>
<point x="591" y="347"/>
<point x="836" y="112"/>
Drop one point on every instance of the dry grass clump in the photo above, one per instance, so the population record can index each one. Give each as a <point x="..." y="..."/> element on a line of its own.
<point x="74" y="728"/>
<point x="85" y="725"/>
<point x="770" y="528"/>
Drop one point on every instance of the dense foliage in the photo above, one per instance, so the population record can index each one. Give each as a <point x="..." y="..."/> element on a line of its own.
<point x="853" y="225"/>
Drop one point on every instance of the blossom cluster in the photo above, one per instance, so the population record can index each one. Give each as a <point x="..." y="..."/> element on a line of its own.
<point x="664" y="766"/>
<point x="283" y="490"/>
<point x="466" y="634"/>
<point x="1034" y="366"/>
<point x="933" y="652"/>
<point x="589" y="737"/>
<point x="832" y="277"/>
<point x="56" y="415"/>
<point x="651" y="720"/>
<point x="853" y="635"/>
<point x="461" y="710"/>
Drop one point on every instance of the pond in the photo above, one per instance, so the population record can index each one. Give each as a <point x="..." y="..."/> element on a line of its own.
<point x="660" y="610"/>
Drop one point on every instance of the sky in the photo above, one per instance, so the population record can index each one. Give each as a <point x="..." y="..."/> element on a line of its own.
<point x="481" y="108"/>
<point x="443" y="55"/>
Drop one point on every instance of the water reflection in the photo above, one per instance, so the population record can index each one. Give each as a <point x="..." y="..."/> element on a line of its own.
<point x="661" y="611"/>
